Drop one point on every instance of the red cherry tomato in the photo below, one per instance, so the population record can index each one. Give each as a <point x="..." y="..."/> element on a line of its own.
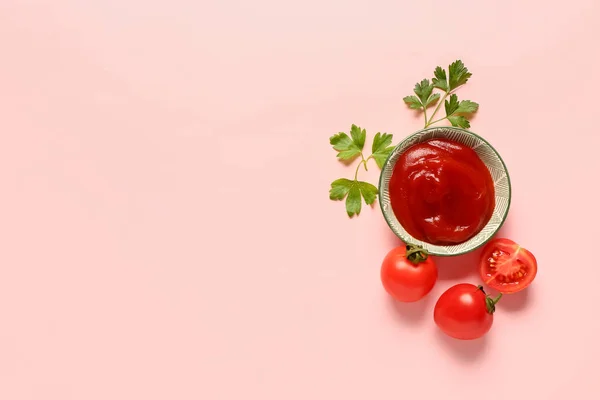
<point x="407" y="273"/>
<point x="465" y="312"/>
<point x="507" y="267"/>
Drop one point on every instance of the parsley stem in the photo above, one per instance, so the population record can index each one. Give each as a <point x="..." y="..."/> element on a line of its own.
<point x="357" y="168"/>
<point x="362" y="162"/>
<point x="425" y="115"/>
<point x="427" y="124"/>
<point x="436" y="121"/>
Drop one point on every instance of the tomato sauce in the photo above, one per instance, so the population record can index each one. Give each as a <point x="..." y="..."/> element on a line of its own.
<point x="441" y="192"/>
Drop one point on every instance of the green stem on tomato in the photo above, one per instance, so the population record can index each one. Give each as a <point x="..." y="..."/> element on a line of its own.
<point x="416" y="254"/>
<point x="489" y="302"/>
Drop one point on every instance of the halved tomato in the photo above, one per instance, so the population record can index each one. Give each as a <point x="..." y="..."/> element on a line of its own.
<point x="506" y="266"/>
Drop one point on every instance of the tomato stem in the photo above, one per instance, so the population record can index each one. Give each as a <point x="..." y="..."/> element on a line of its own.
<point x="497" y="299"/>
<point x="489" y="302"/>
<point x="416" y="254"/>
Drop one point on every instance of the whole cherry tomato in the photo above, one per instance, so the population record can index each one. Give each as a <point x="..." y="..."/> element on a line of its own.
<point x="507" y="267"/>
<point x="465" y="312"/>
<point x="407" y="273"/>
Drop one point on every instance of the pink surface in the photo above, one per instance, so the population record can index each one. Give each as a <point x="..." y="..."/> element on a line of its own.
<point x="165" y="227"/>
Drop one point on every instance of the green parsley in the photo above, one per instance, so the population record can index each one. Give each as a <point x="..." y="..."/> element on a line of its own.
<point x="349" y="148"/>
<point x="352" y="191"/>
<point x="424" y="97"/>
<point x="457" y="112"/>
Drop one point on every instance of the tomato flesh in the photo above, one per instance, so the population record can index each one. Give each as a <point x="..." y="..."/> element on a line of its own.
<point x="441" y="192"/>
<point x="506" y="266"/>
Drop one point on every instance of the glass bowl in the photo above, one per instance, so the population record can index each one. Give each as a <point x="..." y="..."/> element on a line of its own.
<point x="492" y="161"/>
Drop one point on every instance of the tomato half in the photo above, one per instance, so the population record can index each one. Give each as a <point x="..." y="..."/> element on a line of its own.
<point x="407" y="273"/>
<point x="465" y="312"/>
<point x="506" y="266"/>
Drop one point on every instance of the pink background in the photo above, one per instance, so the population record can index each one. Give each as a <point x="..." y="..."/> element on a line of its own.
<point x="166" y="232"/>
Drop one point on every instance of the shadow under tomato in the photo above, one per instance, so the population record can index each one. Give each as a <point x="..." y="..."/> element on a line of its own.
<point x="464" y="350"/>
<point x="411" y="312"/>
<point x="459" y="267"/>
<point x="516" y="301"/>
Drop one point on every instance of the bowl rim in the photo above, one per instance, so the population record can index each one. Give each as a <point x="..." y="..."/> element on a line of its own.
<point x="468" y="250"/>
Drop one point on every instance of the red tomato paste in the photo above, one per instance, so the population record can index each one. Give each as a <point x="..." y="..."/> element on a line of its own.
<point x="441" y="192"/>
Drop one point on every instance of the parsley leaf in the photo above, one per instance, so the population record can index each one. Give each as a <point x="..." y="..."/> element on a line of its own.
<point x="339" y="188"/>
<point x="459" y="120"/>
<point x="413" y="102"/>
<point x="424" y="96"/>
<point x="353" y="201"/>
<point x="354" y="192"/>
<point x="423" y="90"/>
<point x="368" y="191"/>
<point x="346" y="147"/>
<point x="349" y="148"/>
<point x="452" y="105"/>
<point x="467" y="107"/>
<point x="382" y="148"/>
<point x="454" y="108"/>
<point x="358" y="136"/>
<point x="440" y="81"/>
<point x="458" y="73"/>
<point x="432" y="99"/>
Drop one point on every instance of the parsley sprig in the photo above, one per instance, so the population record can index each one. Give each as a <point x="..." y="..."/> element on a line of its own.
<point x="350" y="147"/>
<point x="457" y="112"/>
